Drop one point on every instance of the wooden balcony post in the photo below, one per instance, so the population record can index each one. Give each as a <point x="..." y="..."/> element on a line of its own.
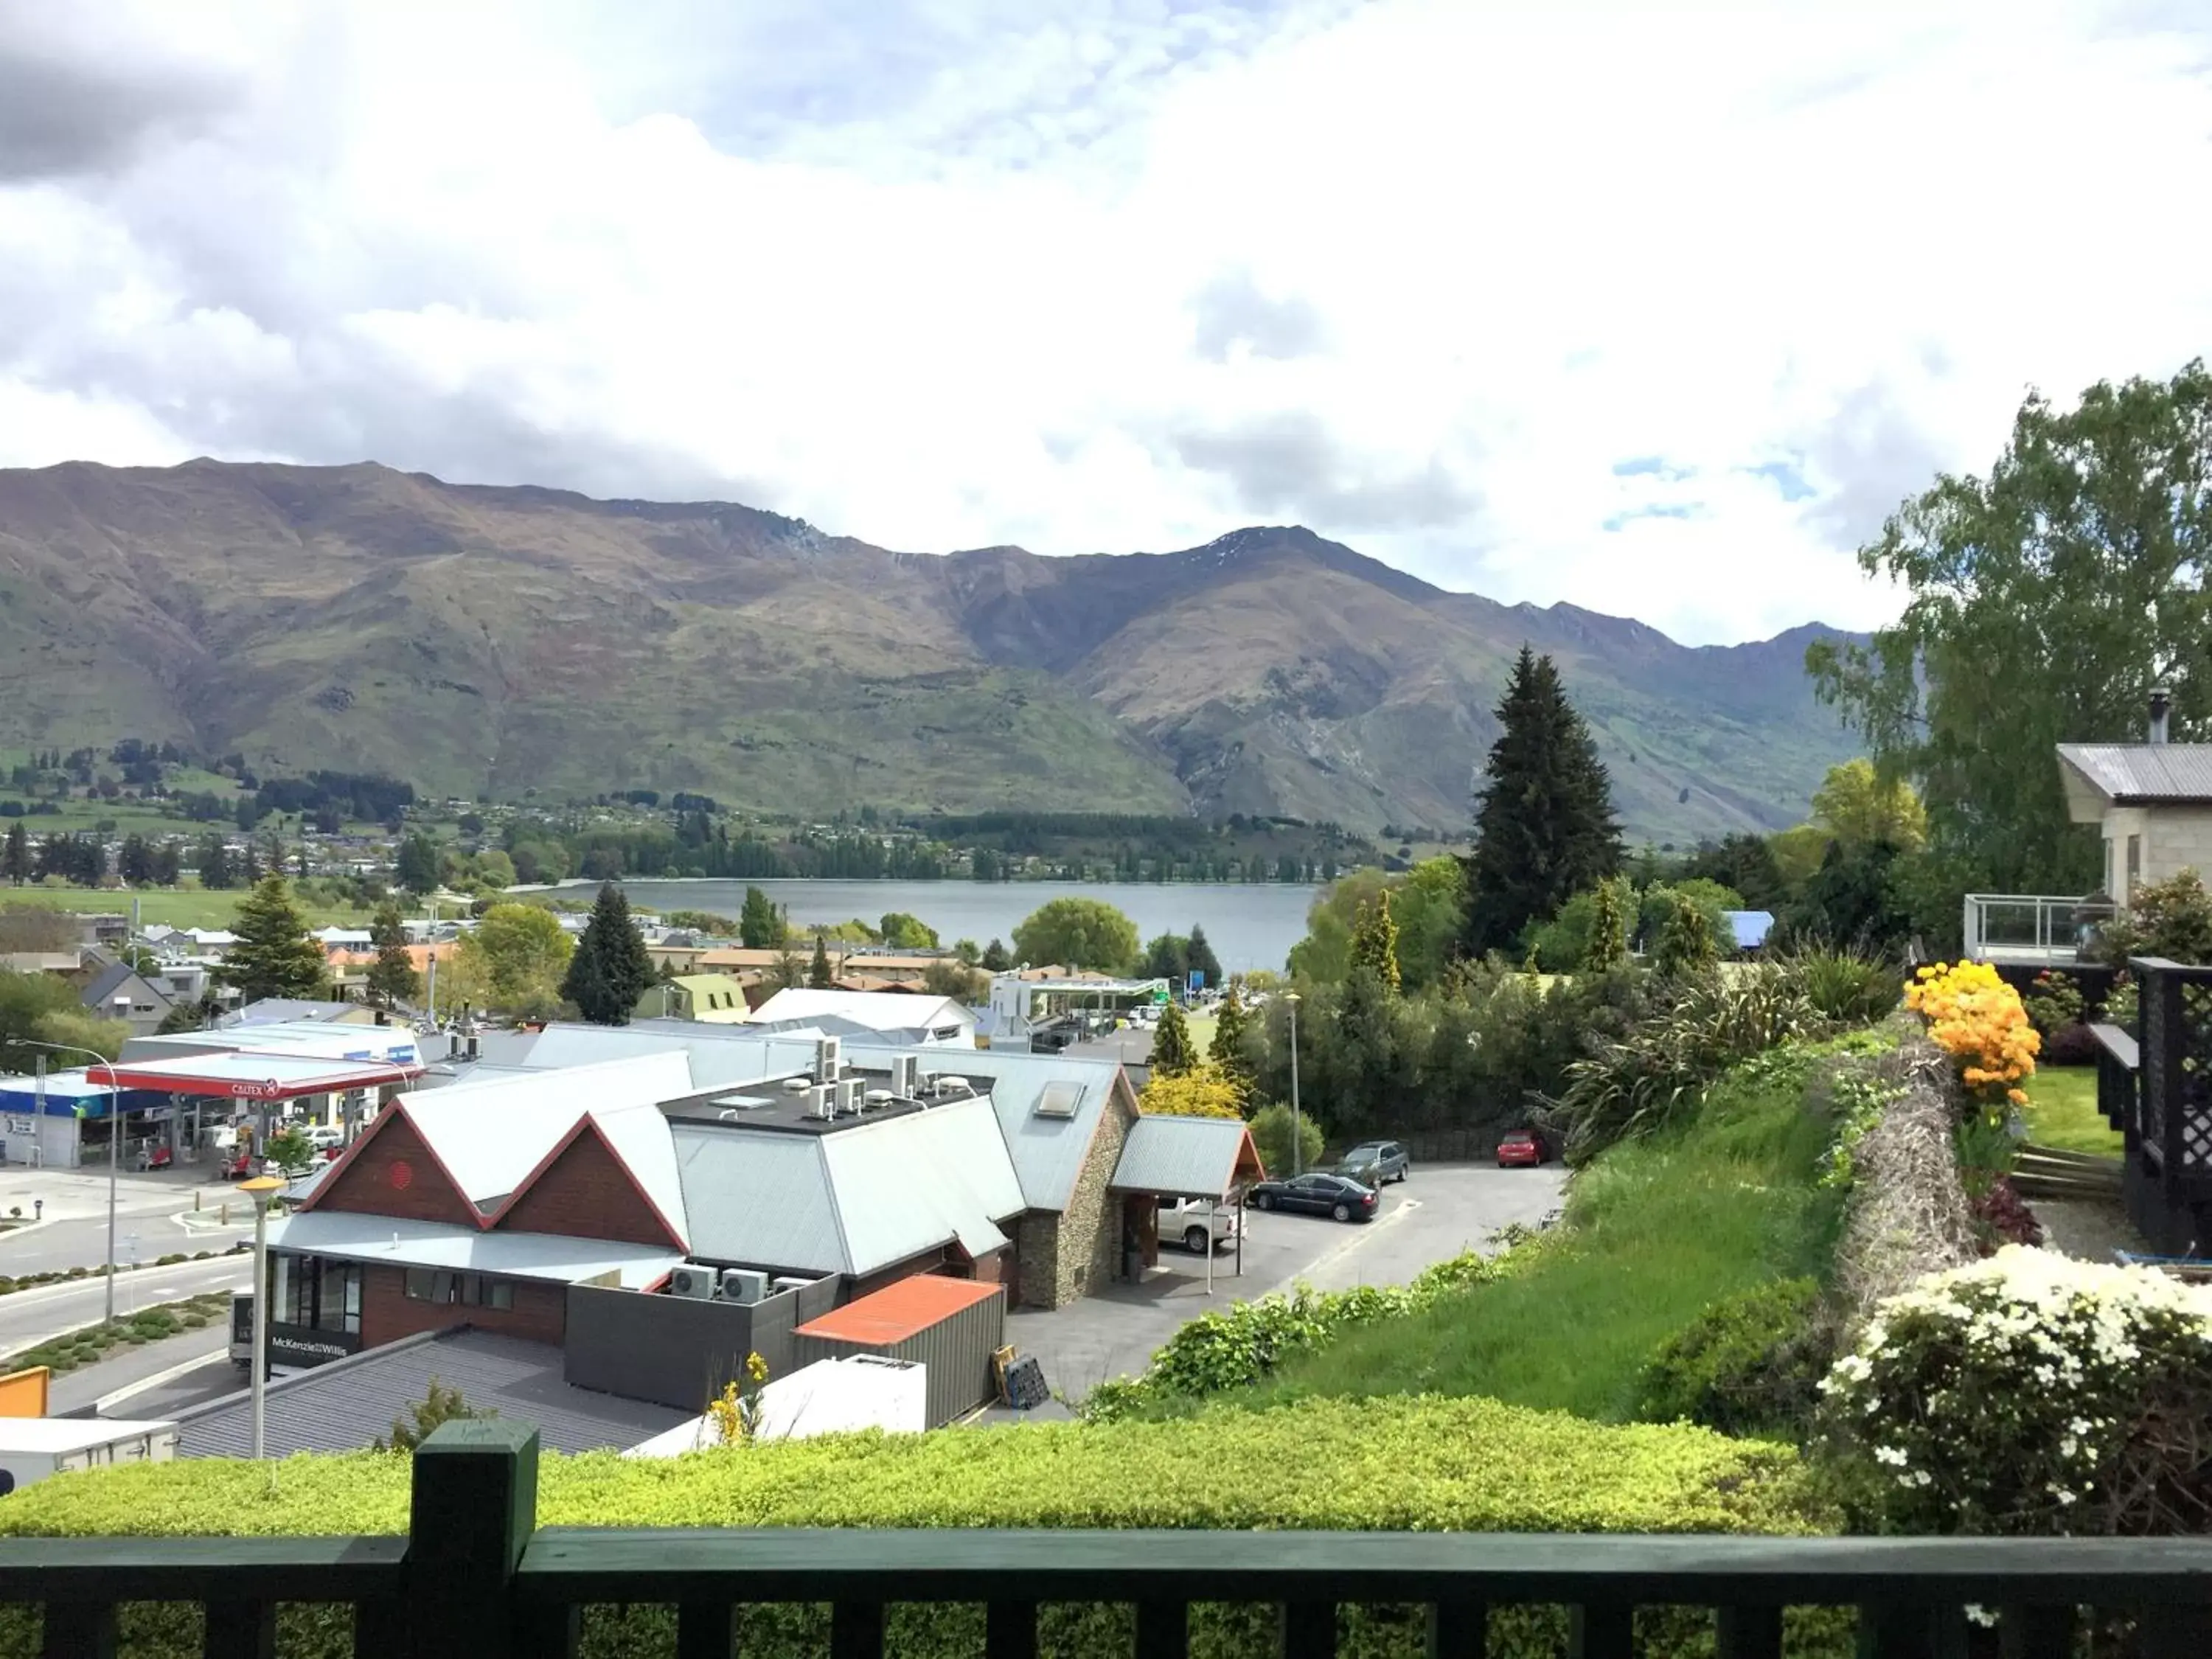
<point x="475" y="1506"/>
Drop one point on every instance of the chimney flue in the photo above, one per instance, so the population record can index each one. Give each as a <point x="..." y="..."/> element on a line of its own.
<point x="2161" y="701"/>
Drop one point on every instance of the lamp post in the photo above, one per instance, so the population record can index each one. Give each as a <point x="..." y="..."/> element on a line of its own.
<point x="1297" y="1130"/>
<point x="114" y="1147"/>
<point x="260" y="1189"/>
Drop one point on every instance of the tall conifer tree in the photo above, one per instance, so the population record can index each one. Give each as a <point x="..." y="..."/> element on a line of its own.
<point x="1544" y="824"/>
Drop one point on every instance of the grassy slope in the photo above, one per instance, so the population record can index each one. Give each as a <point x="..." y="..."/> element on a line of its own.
<point x="2062" y="1112"/>
<point x="1655" y="1233"/>
<point x="175" y="907"/>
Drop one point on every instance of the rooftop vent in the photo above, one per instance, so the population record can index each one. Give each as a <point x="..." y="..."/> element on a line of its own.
<point x="732" y="1104"/>
<point x="2161" y="704"/>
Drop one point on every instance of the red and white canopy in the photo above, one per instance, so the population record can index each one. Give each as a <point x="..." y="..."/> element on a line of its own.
<point x="252" y="1076"/>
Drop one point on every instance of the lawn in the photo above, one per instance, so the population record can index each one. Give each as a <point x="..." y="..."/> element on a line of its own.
<point x="177" y="907"/>
<point x="2062" y="1112"/>
<point x="1656" y="1232"/>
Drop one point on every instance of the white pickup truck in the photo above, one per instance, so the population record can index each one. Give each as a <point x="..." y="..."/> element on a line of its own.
<point x="1185" y="1221"/>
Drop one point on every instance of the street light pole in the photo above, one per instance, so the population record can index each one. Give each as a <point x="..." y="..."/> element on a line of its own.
<point x="260" y="1189"/>
<point x="114" y="1148"/>
<point x="1297" y="1129"/>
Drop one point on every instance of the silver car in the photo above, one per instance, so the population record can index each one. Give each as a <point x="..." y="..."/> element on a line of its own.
<point x="1374" y="1161"/>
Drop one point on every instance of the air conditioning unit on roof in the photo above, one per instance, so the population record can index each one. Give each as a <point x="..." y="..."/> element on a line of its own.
<point x="821" y="1100"/>
<point x="849" y="1092"/>
<point x="906" y="1077"/>
<point x="744" y="1284"/>
<point x="829" y="1056"/>
<point x="691" y="1281"/>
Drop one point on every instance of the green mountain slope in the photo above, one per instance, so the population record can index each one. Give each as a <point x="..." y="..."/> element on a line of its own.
<point x="472" y="638"/>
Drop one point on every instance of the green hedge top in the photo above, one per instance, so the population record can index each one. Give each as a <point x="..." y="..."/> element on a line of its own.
<point x="1396" y="1464"/>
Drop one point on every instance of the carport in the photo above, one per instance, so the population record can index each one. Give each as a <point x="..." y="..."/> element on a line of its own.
<point x="1209" y="1160"/>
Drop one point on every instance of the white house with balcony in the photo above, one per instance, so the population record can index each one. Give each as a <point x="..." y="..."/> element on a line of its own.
<point x="2152" y="802"/>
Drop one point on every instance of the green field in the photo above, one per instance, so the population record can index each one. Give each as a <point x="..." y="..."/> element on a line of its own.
<point x="186" y="907"/>
<point x="2062" y="1112"/>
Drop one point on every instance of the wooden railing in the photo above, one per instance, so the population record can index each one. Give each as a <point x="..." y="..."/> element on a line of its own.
<point x="476" y="1580"/>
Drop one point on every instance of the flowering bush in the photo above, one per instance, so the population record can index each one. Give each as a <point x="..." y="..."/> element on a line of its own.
<point x="2029" y="1393"/>
<point x="1978" y="1020"/>
<point x="2053" y="1002"/>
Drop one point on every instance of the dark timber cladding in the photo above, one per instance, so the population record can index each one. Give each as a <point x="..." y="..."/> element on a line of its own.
<point x="679" y="1349"/>
<point x="951" y="1326"/>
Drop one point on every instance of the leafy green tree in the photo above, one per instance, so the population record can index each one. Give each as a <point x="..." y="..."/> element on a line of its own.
<point x="952" y="979"/>
<point x="290" y="1151"/>
<point x="1857" y="897"/>
<point x="1229" y="1052"/>
<point x="420" y="868"/>
<point x="996" y="960"/>
<point x="15" y="855"/>
<point x="1173" y="1051"/>
<point x="1375" y="943"/>
<point x="1608" y="935"/>
<point x="29" y="1003"/>
<point x="496" y="869"/>
<point x="1544" y="824"/>
<point x="1167" y="957"/>
<point x="611" y="968"/>
<point x="274" y="956"/>
<point x="819" y="975"/>
<point x="1199" y="958"/>
<point x="760" y="924"/>
<point x="519" y="954"/>
<point x="1746" y="863"/>
<point x="2045" y="601"/>
<point x="1858" y="807"/>
<point x="1272" y="1139"/>
<point x="1078" y="932"/>
<point x="908" y="932"/>
<point x="392" y="978"/>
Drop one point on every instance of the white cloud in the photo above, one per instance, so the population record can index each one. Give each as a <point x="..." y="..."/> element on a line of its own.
<point x="1114" y="274"/>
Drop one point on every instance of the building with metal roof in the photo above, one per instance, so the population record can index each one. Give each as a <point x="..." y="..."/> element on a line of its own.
<point x="1200" y="1158"/>
<point x="350" y="1236"/>
<point x="2151" y="803"/>
<point x="350" y="1404"/>
<point x="941" y="1021"/>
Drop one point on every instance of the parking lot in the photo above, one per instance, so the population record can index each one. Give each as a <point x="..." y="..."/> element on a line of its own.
<point x="1442" y="1209"/>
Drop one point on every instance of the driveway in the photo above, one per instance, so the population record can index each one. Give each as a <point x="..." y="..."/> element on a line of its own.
<point x="1442" y="1210"/>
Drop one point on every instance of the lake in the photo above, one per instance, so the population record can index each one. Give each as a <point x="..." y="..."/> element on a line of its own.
<point x="1248" y="927"/>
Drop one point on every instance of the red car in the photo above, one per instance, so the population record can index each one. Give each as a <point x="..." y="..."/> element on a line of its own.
<point x="1519" y="1149"/>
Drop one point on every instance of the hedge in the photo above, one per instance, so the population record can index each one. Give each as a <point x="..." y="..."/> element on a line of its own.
<point x="1387" y="1464"/>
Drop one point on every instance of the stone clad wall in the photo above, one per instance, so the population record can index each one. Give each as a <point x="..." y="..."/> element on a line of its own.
<point x="1071" y="1255"/>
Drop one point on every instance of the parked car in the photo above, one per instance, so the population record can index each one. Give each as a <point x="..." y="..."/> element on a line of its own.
<point x="1319" y="1194"/>
<point x="1372" y="1163"/>
<point x="1185" y="1221"/>
<point x="1519" y="1149"/>
<point x="323" y="1137"/>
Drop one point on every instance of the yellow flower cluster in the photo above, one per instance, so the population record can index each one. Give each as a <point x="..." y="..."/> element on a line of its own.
<point x="1977" y="1019"/>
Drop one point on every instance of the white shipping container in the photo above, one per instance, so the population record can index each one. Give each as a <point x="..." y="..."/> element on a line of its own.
<point x="32" y="1448"/>
<point x="830" y="1397"/>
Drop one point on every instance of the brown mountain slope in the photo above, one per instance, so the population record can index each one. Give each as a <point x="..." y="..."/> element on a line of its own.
<point x="473" y="638"/>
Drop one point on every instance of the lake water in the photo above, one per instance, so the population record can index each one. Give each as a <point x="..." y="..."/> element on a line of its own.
<point x="1248" y="927"/>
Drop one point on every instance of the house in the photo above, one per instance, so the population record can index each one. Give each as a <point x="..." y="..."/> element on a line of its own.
<point x="940" y="1020"/>
<point x="712" y="999"/>
<point x="121" y="992"/>
<point x="2152" y="802"/>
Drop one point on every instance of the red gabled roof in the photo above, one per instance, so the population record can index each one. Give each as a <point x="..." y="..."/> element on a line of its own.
<point x="586" y="1131"/>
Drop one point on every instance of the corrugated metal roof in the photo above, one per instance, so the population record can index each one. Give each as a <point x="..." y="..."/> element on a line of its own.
<point x="883" y="1011"/>
<point x="2144" y="771"/>
<point x="1181" y="1157"/>
<point x="720" y="1055"/>
<point x="350" y="1236"/>
<point x="351" y="1404"/>
<point x="1047" y="1151"/>
<point x="850" y="1200"/>
<point x="899" y="1310"/>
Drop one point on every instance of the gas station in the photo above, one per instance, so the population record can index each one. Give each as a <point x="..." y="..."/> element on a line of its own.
<point x="253" y="1088"/>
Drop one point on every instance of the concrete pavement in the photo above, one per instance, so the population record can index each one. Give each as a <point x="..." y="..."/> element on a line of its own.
<point x="1442" y="1210"/>
<point x="74" y="1233"/>
<point x="30" y="1317"/>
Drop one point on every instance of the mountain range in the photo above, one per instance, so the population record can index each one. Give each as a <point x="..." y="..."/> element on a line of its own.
<point x="473" y="638"/>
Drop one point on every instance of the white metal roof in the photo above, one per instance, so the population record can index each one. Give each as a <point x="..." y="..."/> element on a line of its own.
<point x="63" y="1435"/>
<point x="1047" y="1151"/>
<point x="349" y="1236"/>
<point x="881" y="1011"/>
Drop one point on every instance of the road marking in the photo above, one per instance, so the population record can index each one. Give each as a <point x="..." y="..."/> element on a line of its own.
<point x="107" y="1402"/>
<point x="1329" y="1258"/>
<point x="126" y="1274"/>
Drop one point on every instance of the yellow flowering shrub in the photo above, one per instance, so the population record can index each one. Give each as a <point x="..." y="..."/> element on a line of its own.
<point x="1980" y="1021"/>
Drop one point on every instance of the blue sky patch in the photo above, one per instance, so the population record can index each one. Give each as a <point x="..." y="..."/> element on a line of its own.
<point x="1785" y="478"/>
<point x="1685" y="510"/>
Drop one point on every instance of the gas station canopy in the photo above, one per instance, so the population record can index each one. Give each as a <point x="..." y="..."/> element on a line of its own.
<point x="252" y="1076"/>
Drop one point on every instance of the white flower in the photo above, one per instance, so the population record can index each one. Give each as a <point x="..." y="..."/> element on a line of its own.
<point x="1893" y="1456"/>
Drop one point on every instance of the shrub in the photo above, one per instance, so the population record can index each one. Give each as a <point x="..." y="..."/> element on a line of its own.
<point x="1850" y="986"/>
<point x="2070" y="1045"/>
<point x="1977" y="1019"/>
<point x="2029" y="1393"/>
<point x="2053" y="1001"/>
<point x="1270" y="1138"/>
<point x="2170" y="918"/>
<point x="2001" y="1216"/>
<point x="2124" y="1003"/>
<point x="1751" y="1364"/>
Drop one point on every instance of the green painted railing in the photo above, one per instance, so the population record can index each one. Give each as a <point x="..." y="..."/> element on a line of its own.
<point x="475" y="1580"/>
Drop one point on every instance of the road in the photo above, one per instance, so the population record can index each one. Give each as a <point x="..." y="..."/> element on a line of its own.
<point x="75" y="1231"/>
<point x="30" y="1317"/>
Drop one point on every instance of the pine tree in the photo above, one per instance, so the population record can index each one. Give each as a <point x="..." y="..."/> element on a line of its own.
<point x="995" y="959"/>
<point x="419" y="866"/>
<point x="1686" y="941"/>
<point x="1544" y="824"/>
<point x="1227" y="1051"/>
<point x="392" y="978"/>
<point x="1201" y="957"/>
<point x="760" y="924"/>
<point x="817" y="972"/>
<point x="1374" y="943"/>
<point x="1173" y="1052"/>
<point x="274" y="956"/>
<point x="1609" y="934"/>
<point x="612" y="968"/>
<point x="16" y="856"/>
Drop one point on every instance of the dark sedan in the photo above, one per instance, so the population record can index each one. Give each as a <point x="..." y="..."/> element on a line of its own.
<point x="1318" y="1195"/>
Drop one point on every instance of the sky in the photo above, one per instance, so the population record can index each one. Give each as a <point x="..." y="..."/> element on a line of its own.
<point x="1659" y="310"/>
